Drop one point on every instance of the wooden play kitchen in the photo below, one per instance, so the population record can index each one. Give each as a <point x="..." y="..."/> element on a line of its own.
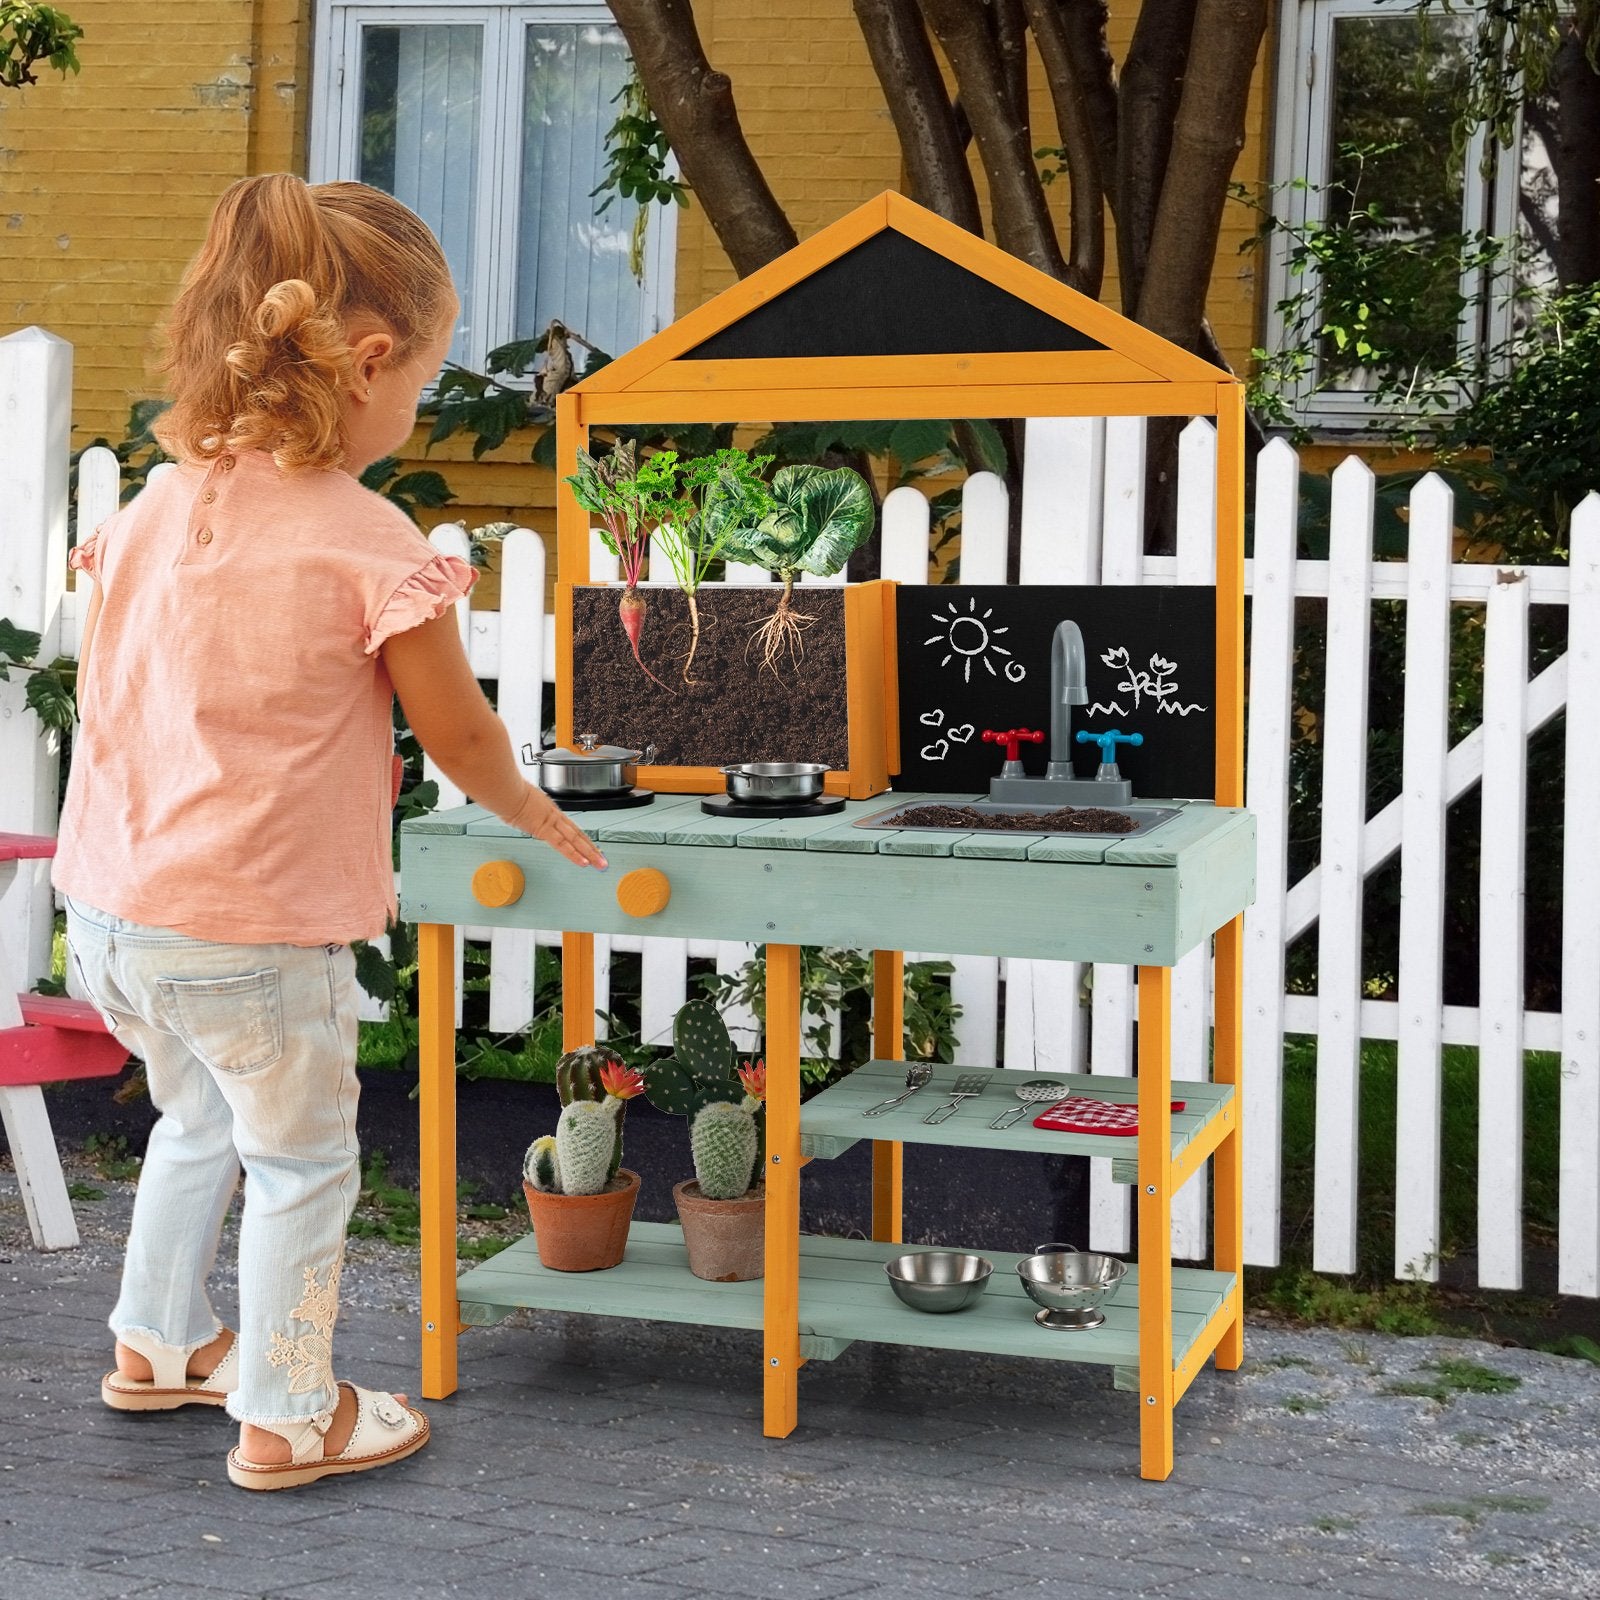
<point x="903" y="288"/>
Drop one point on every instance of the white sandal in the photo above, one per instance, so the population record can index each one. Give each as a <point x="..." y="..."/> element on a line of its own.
<point x="386" y="1430"/>
<point x="170" y="1386"/>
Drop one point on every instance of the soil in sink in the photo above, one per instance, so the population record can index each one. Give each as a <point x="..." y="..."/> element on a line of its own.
<point x="1064" y="819"/>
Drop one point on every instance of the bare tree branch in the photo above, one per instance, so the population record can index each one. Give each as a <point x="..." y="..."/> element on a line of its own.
<point x="1073" y="122"/>
<point x="697" y="113"/>
<point x="1206" y="140"/>
<point x="1021" y="217"/>
<point x="1083" y="34"/>
<point x="1147" y="106"/>
<point x="1011" y="46"/>
<point x="932" y="142"/>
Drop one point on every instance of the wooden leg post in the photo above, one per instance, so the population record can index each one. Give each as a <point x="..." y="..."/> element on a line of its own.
<point x="577" y="990"/>
<point x="1228" y="1173"/>
<point x="1155" y="1222"/>
<point x="781" y="1316"/>
<point x="888" y="1044"/>
<point x="436" y="1020"/>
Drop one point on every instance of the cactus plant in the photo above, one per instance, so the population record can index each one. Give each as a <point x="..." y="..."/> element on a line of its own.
<point x="702" y="1075"/>
<point x="724" y="1141"/>
<point x="585" y="1153"/>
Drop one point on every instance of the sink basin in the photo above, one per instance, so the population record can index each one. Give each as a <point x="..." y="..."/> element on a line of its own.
<point x="1146" y="818"/>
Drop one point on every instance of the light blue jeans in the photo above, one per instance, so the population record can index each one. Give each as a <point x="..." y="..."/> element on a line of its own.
<point x="251" y="1056"/>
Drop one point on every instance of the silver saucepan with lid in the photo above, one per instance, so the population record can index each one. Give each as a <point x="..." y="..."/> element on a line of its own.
<point x="776" y="781"/>
<point x="591" y="770"/>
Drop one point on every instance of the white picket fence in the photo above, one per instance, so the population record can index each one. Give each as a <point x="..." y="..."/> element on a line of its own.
<point x="1082" y="521"/>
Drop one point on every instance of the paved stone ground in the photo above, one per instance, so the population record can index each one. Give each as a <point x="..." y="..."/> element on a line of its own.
<point x="595" y="1460"/>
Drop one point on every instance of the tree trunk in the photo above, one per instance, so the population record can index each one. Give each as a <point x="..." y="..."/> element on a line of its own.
<point x="1074" y="123"/>
<point x="1575" y="157"/>
<point x="1021" y="218"/>
<point x="932" y="142"/>
<point x="696" y="110"/>
<point x="1147" y="107"/>
<point x="1206" y="140"/>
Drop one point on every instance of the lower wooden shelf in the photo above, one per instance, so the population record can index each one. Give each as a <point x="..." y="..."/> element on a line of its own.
<point x="843" y="1297"/>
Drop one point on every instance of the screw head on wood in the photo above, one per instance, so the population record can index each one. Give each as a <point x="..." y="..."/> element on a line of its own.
<point x="771" y="926"/>
<point x="1149" y="1188"/>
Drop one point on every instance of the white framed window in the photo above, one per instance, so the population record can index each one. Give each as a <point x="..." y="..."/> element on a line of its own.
<point x="1365" y="75"/>
<point x="490" y="121"/>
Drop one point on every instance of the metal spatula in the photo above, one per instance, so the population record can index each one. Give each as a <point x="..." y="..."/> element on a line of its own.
<point x="1029" y="1091"/>
<point x="917" y="1076"/>
<point x="968" y="1086"/>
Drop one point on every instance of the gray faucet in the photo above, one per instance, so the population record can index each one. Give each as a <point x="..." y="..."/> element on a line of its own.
<point x="1068" y="687"/>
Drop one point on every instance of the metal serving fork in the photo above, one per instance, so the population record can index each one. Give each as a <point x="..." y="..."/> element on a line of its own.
<point x="968" y="1085"/>
<point x="917" y="1076"/>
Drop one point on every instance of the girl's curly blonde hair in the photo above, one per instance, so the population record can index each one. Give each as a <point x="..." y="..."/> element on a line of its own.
<point x="259" y="341"/>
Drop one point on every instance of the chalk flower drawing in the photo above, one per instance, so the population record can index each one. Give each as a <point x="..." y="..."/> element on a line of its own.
<point x="1159" y="684"/>
<point x="967" y="637"/>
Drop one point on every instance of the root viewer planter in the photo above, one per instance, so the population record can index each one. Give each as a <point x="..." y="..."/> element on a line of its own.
<point x="726" y="1239"/>
<point x="583" y="1232"/>
<point x="836" y="704"/>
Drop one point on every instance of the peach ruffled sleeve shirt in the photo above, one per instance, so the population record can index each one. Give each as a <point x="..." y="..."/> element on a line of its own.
<point x="231" y="778"/>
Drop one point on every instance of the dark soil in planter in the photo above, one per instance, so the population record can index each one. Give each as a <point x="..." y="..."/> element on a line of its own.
<point x="1065" y="819"/>
<point x="984" y="1198"/>
<point x="736" y="710"/>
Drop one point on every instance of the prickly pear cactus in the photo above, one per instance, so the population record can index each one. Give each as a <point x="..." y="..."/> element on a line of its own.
<point x="541" y="1166"/>
<point x="725" y="1144"/>
<point x="578" y="1078"/>
<point x="587" y="1141"/>
<point x="702" y="1068"/>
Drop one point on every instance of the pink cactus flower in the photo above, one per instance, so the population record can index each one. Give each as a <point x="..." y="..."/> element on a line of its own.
<point x="621" y="1082"/>
<point x="754" y="1078"/>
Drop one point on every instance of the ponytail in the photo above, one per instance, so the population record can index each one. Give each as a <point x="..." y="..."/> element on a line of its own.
<point x="258" y="341"/>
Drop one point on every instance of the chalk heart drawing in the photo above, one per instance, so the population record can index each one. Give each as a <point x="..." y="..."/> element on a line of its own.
<point x="937" y="751"/>
<point x="932" y="719"/>
<point x="963" y="733"/>
<point x="965" y="637"/>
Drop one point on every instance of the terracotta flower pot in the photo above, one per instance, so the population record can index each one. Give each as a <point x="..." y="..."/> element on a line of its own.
<point x="583" y="1232"/>
<point x="726" y="1239"/>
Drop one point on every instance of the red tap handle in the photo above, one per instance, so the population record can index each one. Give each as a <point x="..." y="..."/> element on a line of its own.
<point x="1011" y="738"/>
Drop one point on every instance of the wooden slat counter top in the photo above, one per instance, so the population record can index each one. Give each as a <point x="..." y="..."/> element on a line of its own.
<point x="1141" y="901"/>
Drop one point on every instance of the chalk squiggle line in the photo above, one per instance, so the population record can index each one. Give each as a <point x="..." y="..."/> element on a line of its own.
<point x="1168" y="708"/>
<point x="1097" y="709"/>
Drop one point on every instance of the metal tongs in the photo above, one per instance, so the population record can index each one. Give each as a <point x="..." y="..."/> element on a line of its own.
<point x="917" y="1076"/>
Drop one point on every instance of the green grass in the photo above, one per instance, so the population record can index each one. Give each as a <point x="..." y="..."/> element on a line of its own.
<point x="1301" y="1404"/>
<point x="1372" y="1297"/>
<point x="1453" y="1377"/>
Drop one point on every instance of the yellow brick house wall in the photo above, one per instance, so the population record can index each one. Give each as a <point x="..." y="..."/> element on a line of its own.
<point x="106" y="179"/>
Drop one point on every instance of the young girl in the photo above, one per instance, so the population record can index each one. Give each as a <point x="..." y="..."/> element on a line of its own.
<point x="226" y="832"/>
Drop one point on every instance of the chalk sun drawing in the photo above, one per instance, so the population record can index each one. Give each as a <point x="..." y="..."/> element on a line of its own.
<point x="968" y="637"/>
<point x="1159" y="683"/>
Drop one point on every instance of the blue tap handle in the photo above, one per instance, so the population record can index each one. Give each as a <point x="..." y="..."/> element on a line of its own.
<point x="1108" y="743"/>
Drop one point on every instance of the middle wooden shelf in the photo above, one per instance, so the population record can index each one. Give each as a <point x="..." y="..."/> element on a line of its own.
<point x="833" y="1121"/>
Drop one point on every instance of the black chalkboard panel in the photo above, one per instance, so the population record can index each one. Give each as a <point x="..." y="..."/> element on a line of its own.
<point x="975" y="657"/>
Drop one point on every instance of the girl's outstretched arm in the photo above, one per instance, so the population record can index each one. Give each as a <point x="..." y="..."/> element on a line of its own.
<point x="458" y="728"/>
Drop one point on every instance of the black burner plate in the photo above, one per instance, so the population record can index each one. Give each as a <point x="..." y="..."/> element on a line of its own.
<point x="722" y="805"/>
<point x="605" y="802"/>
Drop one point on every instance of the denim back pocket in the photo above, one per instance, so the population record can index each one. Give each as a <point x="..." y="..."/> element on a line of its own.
<point x="231" y="1024"/>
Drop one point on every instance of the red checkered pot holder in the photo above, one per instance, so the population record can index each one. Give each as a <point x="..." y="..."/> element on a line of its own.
<point x="1079" y="1113"/>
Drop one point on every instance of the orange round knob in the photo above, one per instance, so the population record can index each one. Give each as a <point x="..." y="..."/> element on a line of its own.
<point x="644" y="891"/>
<point x="498" y="883"/>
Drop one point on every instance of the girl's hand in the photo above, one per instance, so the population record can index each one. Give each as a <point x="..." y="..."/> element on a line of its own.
<point x="541" y="817"/>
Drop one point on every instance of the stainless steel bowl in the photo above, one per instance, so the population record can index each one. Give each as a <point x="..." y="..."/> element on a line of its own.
<point x="775" y="780"/>
<point x="938" y="1280"/>
<point x="1070" y="1285"/>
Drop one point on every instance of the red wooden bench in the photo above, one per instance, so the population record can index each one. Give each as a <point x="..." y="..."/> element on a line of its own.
<point x="43" y="1039"/>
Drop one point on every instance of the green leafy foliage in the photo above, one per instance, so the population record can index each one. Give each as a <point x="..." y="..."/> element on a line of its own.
<point x="30" y="34"/>
<point x="718" y="495"/>
<point x="819" y="518"/>
<point x="50" y="689"/>
<point x="408" y="490"/>
<point x="636" y="155"/>
<point x="833" y="980"/>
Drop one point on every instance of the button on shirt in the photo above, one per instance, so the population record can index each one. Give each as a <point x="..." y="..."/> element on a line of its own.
<point x="231" y="777"/>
